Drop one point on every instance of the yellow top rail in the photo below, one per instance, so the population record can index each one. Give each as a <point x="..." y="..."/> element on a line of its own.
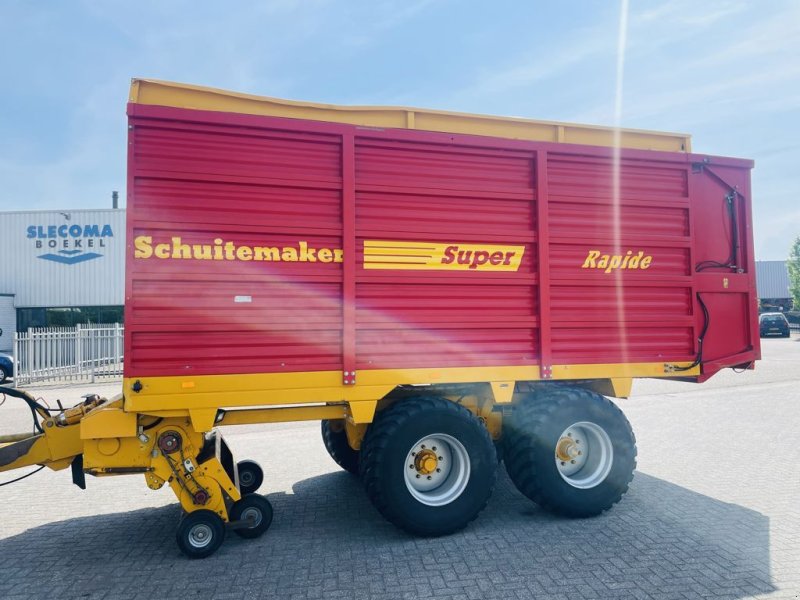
<point x="165" y="93"/>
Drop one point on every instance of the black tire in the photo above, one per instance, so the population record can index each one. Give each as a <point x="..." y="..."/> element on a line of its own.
<point x="256" y="507"/>
<point x="200" y="533"/>
<point x="251" y="476"/>
<point x="335" y="440"/>
<point x="3" y="375"/>
<point x="387" y="447"/>
<point x="532" y="436"/>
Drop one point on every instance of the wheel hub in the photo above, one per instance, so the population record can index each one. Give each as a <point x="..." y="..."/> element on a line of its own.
<point x="437" y="469"/>
<point x="567" y="449"/>
<point x="584" y="455"/>
<point x="426" y="462"/>
<point x="252" y="515"/>
<point x="200" y="535"/>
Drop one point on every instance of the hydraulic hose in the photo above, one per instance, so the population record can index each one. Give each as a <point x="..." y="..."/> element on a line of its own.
<point x="36" y="408"/>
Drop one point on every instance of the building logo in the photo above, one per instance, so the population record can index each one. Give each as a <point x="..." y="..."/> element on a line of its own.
<point x="70" y="244"/>
<point x="437" y="256"/>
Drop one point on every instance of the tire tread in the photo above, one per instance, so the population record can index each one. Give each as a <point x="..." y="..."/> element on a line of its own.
<point x="339" y="450"/>
<point x="530" y="422"/>
<point x="384" y="428"/>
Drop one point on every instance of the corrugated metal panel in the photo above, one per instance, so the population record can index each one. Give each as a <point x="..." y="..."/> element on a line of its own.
<point x="462" y="347"/>
<point x="619" y="315"/>
<point x="598" y="303"/>
<point x="282" y="207"/>
<point x="70" y="258"/>
<point x="198" y="188"/>
<point x="576" y="176"/>
<point x="431" y="167"/>
<point x="229" y="154"/>
<point x="444" y="194"/>
<point x="204" y="186"/>
<point x="616" y="344"/>
<point x="8" y="323"/>
<point x="574" y="219"/>
<point x="772" y="279"/>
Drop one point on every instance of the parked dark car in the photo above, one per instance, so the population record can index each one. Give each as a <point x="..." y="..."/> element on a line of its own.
<point x="773" y="324"/>
<point x="6" y="367"/>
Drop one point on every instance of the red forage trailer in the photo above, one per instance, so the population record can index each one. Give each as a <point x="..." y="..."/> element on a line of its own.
<point x="440" y="289"/>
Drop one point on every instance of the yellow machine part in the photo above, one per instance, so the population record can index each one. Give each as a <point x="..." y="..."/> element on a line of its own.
<point x="125" y="435"/>
<point x="179" y="95"/>
<point x="173" y="396"/>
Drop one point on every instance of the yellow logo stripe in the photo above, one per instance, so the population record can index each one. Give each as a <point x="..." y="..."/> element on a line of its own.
<point x="381" y="254"/>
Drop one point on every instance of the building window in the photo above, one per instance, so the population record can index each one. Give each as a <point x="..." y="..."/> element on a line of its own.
<point x="67" y="316"/>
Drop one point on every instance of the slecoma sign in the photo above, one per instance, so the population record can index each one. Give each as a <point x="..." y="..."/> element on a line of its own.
<point x="70" y="244"/>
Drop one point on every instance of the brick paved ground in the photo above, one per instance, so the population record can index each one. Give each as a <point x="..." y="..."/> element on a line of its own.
<point x="713" y="512"/>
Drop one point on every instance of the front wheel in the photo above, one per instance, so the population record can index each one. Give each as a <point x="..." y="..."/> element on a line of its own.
<point x="570" y="450"/>
<point x="428" y="465"/>
<point x="200" y="533"/>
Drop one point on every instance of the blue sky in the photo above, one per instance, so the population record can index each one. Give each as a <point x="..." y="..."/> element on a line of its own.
<point x="725" y="71"/>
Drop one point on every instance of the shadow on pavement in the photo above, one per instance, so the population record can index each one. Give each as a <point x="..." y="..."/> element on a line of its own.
<point x="327" y="541"/>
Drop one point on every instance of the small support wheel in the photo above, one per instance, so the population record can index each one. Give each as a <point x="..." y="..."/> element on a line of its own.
<point x="200" y="533"/>
<point x="251" y="516"/>
<point x="251" y="476"/>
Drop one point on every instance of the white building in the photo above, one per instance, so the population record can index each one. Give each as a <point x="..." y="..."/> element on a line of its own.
<point x="772" y="279"/>
<point x="60" y="268"/>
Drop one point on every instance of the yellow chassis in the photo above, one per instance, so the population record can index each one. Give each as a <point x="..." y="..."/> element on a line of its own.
<point x="126" y="435"/>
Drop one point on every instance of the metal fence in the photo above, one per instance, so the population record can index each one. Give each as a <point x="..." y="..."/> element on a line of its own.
<point x="85" y="353"/>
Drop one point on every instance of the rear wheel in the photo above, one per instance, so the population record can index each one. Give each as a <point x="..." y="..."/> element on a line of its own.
<point x="3" y="374"/>
<point x="428" y="465"/>
<point x="570" y="450"/>
<point x="335" y="439"/>
<point x="251" y="476"/>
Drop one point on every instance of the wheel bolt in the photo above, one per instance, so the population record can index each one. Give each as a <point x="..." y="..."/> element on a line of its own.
<point x="569" y="435"/>
<point x="572" y="461"/>
<point x="410" y="466"/>
<point x="441" y="458"/>
<point x="429" y="477"/>
<point x="417" y="476"/>
<point x="579" y="452"/>
<point x="413" y="454"/>
<point x="563" y="463"/>
<point x="422" y="446"/>
<point x="433" y="448"/>
<point x="438" y="470"/>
